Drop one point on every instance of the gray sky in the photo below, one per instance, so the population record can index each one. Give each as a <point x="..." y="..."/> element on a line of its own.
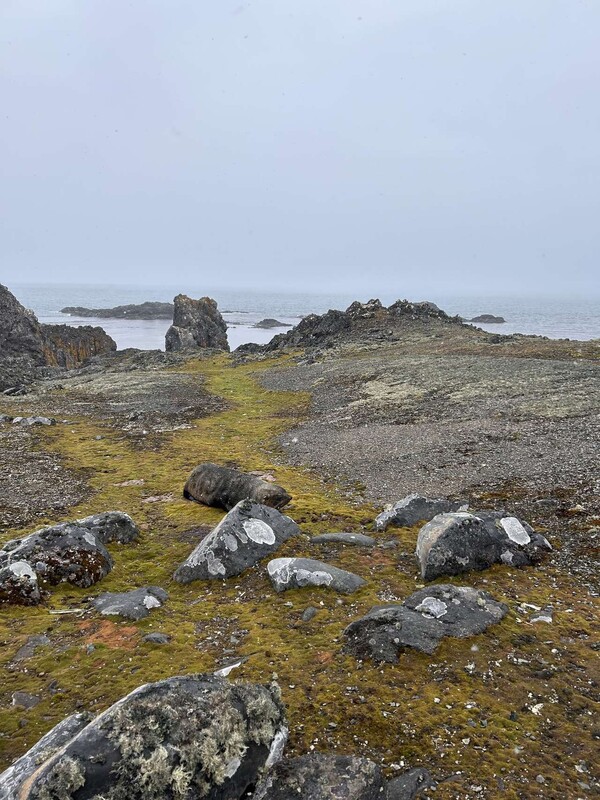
<point x="336" y="144"/>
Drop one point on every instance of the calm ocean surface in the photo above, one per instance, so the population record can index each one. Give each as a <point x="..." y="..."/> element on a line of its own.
<point x="553" y="317"/>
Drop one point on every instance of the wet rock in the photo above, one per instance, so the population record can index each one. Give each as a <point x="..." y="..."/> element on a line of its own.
<point x="323" y="777"/>
<point x="222" y="487"/>
<point x="358" y="539"/>
<point x="135" y="604"/>
<point x="196" y="323"/>
<point x="30" y="646"/>
<point x="413" y="509"/>
<point x="13" y="778"/>
<point x="410" y="784"/>
<point x="63" y="553"/>
<point x="197" y="736"/>
<point x="422" y="621"/>
<point x="25" y="700"/>
<point x="111" y="526"/>
<point x="454" y="543"/>
<point x="248" y="533"/>
<point x="296" y="573"/>
<point x="157" y="638"/>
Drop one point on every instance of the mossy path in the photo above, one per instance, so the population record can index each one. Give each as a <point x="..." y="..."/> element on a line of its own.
<point x="494" y="711"/>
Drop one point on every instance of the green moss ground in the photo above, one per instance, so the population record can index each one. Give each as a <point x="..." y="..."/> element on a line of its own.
<point x="419" y="712"/>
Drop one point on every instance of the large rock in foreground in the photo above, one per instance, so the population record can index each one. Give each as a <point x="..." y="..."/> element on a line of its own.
<point x="196" y="323"/>
<point x="296" y="573"/>
<point x="192" y="737"/>
<point x="224" y="488"/>
<point x="454" y="543"/>
<point x="63" y="553"/>
<point x="413" y="509"/>
<point x="249" y="532"/>
<point x="323" y="777"/>
<point x="111" y="526"/>
<point x="422" y="621"/>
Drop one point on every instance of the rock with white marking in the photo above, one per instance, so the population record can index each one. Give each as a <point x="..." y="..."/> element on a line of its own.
<point x="135" y="604"/>
<point x="111" y="526"/>
<point x="196" y="736"/>
<point x="459" y="542"/>
<point x="356" y="539"/>
<point x="412" y="509"/>
<point x="323" y="777"/>
<point x="63" y="553"/>
<point x="222" y="487"/>
<point x="422" y="621"/>
<point x="248" y="533"/>
<point x="295" y="573"/>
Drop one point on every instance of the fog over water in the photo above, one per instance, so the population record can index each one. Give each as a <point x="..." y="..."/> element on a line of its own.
<point x="411" y="148"/>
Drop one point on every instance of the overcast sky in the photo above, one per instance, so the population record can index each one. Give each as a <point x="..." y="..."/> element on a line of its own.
<point x="336" y="144"/>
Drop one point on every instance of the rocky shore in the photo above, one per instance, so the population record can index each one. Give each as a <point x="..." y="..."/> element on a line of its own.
<point x="359" y="562"/>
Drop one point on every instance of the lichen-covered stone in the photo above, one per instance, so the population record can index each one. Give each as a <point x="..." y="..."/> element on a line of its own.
<point x="197" y="737"/>
<point x="135" y="604"/>
<point x="422" y="621"/>
<point x="412" y="509"/>
<point x="248" y="533"/>
<point x="111" y="526"/>
<point x="222" y="487"/>
<point x="358" y="539"/>
<point x="296" y="573"/>
<point x="323" y="777"/>
<point x="451" y="544"/>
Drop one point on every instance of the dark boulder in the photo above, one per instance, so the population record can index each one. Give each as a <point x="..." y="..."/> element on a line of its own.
<point x="12" y="779"/>
<point x="271" y="323"/>
<point x="296" y="573"/>
<point x="323" y="777"/>
<point x="222" y="487"/>
<point x="63" y="553"/>
<point x="357" y="539"/>
<point x="451" y="544"/>
<point x="111" y="526"/>
<point x="488" y="319"/>
<point x="196" y="323"/>
<point x="409" y="785"/>
<point x="248" y="533"/>
<point x="413" y="509"/>
<point x="135" y="604"/>
<point x="197" y="736"/>
<point x="68" y="346"/>
<point x="422" y="621"/>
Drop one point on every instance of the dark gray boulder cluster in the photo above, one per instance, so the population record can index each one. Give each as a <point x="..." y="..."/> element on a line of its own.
<point x="72" y="552"/>
<point x="222" y="487"/>
<point x="413" y="509"/>
<point x="196" y="324"/>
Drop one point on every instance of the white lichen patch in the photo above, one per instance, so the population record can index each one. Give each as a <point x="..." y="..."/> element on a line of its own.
<point x="151" y="602"/>
<point x="21" y="569"/>
<point x="515" y="530"/>
<point x="259" y="531"/>
<point x="432" y="607"/>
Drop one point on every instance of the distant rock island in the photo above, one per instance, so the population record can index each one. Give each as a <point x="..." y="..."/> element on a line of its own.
<point x="271" y="323"/>
<point x="488" y="319"/>
<point x="148" y="310"/>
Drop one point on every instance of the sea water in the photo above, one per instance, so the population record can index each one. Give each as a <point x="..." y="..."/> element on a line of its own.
<point x="557" y="318"/>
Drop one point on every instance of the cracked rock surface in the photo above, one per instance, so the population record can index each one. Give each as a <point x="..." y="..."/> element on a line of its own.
<point x="295" y="573"/>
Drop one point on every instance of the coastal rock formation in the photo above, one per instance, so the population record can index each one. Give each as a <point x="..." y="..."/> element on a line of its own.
<point x="74" y="552"/>
<point x="26" y="346"/>
<point x="271" y="323"/>
<point x="360" y="321"/>
<point x="248" y="533"/>
<point x="323" y="777"/>
<point x="488" y="319"/>
<point x="147" y="310"/>
<point x="422" y="621"/>
<point x="412" y="509"/>
<point x="295" y="573"/>
<point x="224" y="488"/>
<point x="195" y="736"/>
<point x="459" y="542"/>
<point x="357" y="539"/>
<point x="135" y="604"/>
<point x="196" y="323"/>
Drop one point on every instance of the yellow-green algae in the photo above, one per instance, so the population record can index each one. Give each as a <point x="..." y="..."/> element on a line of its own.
<point x="471" y="712"/>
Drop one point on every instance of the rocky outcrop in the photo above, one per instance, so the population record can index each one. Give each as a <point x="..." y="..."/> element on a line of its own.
<point x="148" y="310"/>
<point x="360" y="321"/>
<point x="197" y="736"/>
<point x="26" y="347"/>
<point x="413" y="509"/>
<point x="323" y="777"/>
<point x="296" y="573"/>
<point x="451" y="544"/>
<point x="196" y="324"/>
<point x="422" y="621"/>
<point x="488" y="319"/>
<point x="271" y="323"/>
<point x="135" y="604"/>
<point x="72" y="552"/>
<point x="68" y="347"/>
<point x="248" y="533"/>
<point x="222" y="487"/>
